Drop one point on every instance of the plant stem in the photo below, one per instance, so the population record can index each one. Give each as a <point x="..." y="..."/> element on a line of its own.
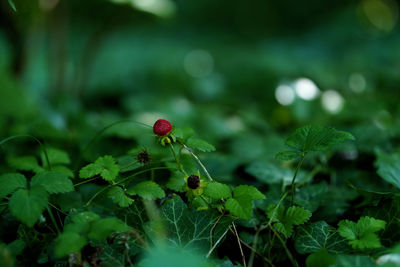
<point x="52" y="219"/>
<point x="177" y="160"/>
<point x="288" y="253"/>
<point x="198" y="160"/>
<point x="295" y="175"/>
<point x="240" y="246"/>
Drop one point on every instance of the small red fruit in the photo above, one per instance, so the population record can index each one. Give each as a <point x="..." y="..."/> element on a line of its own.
<point x="162" y="127"/>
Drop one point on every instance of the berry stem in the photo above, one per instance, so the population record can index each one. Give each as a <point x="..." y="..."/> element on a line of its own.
<point x="177" y="159"/>
<point x="198" y="160"/>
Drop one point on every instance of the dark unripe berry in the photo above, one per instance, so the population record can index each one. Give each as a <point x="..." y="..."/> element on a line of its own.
<point x="143" y="157"/>
<point x="193" y="181"/>
<point x="162" y="127"/>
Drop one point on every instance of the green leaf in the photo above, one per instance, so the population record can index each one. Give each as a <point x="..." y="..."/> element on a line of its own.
<point x="104" y="166"/>
<point x="241" y="203"/>
<point x="183" y="133"/>
<point x="10" y="182"/>
<point x="118" y="196"/>
<point x="217" y="191"/>
<point x="389" y="167"/>
<point x="28" y="204"/>
<point x="316" y="138"/>
<point x="53" y="182"/>
<point x="190" y="229"/>
<point x="313" y="237"/>
<point x="102" y="228"/>
<point x="199" y="144"/>
<point x="6" y="258"/>
<point x="288" y="155"/>
<point x="354" y="261"/>
<point x="27" y="163"/>
<point x="56" y="157"/>
<point x="271" y="172"/>
<point x="63" y="169"/>
<point x="176" y="182"/>
<point x="147" y="190"/>
<point x="285" y="220"/>
<point x="11" y="2"/>
<point x="67" y="243"/>
<point x="320" y="258"/>
<point x="362" y="235"/>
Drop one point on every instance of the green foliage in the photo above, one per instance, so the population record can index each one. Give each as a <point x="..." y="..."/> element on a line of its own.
<point x="314" y="237"/>
<point x="284" y="220"/>
<point x="199" y="144"/>
<point x="362" y="235"/>
<point x="28" y="204"/>
<point x="389" y="167"/>
<point x="103" y="166"/>
<point x="217" y="191"/>
<point x="117" y="194"/>
<point x="53" y="182"/>
<point x="25" y="163"/>
<point x="11" y="2"/>
<point x="190" y="229"/>
<point x="313" y="138"/>
<point x="320" y="258"/>
<point x="241" y="203"/>
<point x="10" y="182"/>
<point x="148" y="190"/>
<point x="86" y="226"/>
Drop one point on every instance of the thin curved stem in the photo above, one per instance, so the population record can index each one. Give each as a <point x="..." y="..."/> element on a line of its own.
<point x="34" y="138"/>
<point x="295" y="175"/>
<point x="198" y="160"/>
<point x="177" y="160"/>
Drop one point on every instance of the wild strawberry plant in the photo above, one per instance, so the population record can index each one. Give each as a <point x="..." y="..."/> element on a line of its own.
<point x="160" y="206"/>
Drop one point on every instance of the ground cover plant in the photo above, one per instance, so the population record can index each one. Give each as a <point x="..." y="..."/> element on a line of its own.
<point x="199" y="133"/>
<point x="161" y="205"/>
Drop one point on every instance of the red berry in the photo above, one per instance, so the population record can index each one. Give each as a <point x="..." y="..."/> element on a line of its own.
<point x="162" y="127"/>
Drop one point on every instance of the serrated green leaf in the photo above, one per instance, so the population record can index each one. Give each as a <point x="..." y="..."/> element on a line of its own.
<point x="28" y="204"/>
<point x="105" y="166"/>
<point x="389" y="167"/>
<point x="67" y="243"/>
<point x="288" y="155"/>
<point x="189" y="229"/>
<point x="313" y="237"/>
<point x="26" y="163"/>
<point x="56" y="156"/>
<point x="90" y="170"/>
<point x="316" y="138"/>
<point x="241" y="209"/>
<point x="362" y="235"/>
<point x="285" y="220"/>
<point x="217" y="191"/>
<point x="63" y="169"/>
<point x="297" y="215"/>
<point x="102" y="228"/>
<point x="10" y="182"/>
<point x="247" y="192"/>
<point x="118" y="196"/>
<point x="147" y="190"/>
<point x="53" y="182"/>
<point x="241" y="203"/>
<point x="85" y="217"/>
<point x="199" y="144"/>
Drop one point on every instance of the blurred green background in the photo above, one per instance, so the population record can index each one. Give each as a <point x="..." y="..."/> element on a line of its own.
<point x="241" y="73"/>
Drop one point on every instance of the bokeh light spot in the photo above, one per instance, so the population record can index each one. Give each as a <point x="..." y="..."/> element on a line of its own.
<point x="332" y="101"/>
<point x="284" y="95"/>
<point x="306" y="89"/>
<point x="198" y="63"/>
<point x="382" y="14"/>
<point x="357" y="82"/>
